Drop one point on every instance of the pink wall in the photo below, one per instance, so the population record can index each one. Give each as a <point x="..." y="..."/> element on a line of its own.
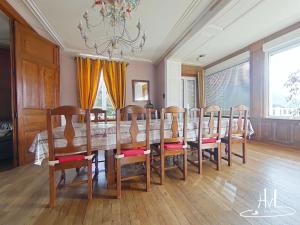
<point x="68" y="82"/>
<point x="136" y="70"/>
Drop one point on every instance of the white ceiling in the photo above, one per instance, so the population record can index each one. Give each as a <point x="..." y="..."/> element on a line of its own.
<point x="176" y="29"/>
<point x="237" y="25"/>
<point x="164" y="22"/>
<point x="4" y="30"/>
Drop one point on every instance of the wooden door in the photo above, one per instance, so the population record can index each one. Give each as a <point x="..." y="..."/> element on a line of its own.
<point x="37" y="85"/>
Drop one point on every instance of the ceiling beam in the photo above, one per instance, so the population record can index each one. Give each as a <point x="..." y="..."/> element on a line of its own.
<point x="212" y="10"/>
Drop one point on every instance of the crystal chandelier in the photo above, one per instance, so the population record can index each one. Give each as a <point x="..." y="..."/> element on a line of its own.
<point x="110" y="17"/>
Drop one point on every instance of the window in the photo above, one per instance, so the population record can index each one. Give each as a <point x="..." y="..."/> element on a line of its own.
<point x="284" y="83"/>
<point x="103" y="101"/>
<point x="228" y="87"/>
<point x="188" y="90"/>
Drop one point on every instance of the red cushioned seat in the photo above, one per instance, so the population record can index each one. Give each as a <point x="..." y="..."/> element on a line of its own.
<point x="70" y="158"/>
<point x="133" y="152"/>
<point x="209" y="140"/>
<point x="172" y="146"/>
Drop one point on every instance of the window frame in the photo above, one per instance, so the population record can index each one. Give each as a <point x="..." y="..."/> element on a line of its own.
<point x="183" y="97"/>
<point x="267" y="94"/>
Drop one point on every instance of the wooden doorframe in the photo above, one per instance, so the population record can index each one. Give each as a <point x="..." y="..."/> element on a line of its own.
<point x="14" y="16"/>
<point x="14" y="109"/>
<point x="10" y="12"/>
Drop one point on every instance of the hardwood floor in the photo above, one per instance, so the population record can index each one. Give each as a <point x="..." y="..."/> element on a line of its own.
<point x="214" y="198"/>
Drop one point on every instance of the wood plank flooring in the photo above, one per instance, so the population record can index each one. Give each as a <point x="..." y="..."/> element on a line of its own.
<point x="214" y="198"/>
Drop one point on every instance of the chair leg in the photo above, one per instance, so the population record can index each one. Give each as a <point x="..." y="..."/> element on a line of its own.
<point x="162" y="169"/>
<point x="219" y="157"/>
<point x="244" y="153"/>
<point x="148" y="173"/>
<point x="52" y="188"/>
<point x="105" y="161"/>
<point x="184" y="165"/>
<point x="199" y="161"/>
<point x="229" y="154"/>
<point x="77" y="171"/>
<point x="90" y="180"/>
<point x="96" y="163"/>
<point x="119" y="182"/>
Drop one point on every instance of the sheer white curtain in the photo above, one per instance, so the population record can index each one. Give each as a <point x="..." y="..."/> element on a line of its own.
<point x="228" y="87"/>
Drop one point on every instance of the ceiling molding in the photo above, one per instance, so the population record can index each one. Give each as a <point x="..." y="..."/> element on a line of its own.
<point x="31" y="5"/>
<point x="197" y="24"/>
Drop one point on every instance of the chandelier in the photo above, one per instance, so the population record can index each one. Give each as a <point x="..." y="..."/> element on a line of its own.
<point x="110" y="17"/>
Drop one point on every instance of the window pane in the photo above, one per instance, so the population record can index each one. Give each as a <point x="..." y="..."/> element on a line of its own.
<point x="284" y="81"/>
<point x="182" y="93"/>
<point x="103" y="100"/>
<point x="229" y="87"/>
<point x="191" y="85"/>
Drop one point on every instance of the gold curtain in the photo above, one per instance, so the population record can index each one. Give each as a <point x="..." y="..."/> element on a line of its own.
<point x="114" y="75"/>
<point x="201" y="88"/>
<point x="88" y="77"/>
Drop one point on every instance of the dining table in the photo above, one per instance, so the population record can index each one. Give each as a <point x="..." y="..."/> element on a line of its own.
<point x="103" y="134"/>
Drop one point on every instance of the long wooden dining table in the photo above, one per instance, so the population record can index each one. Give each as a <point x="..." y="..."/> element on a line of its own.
<point x="104" y="134"/>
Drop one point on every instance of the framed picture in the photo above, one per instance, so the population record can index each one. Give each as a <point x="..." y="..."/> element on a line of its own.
<point x="140" y="90"/>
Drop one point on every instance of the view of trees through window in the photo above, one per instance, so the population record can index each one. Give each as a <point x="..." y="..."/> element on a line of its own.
<point x="103" y="101"/>
<point x="284" y="83"/>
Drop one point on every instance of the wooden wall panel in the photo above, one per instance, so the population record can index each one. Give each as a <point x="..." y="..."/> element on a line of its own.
<point x="189" y="70"/>
<point x="32" y="45"/>
<point x="30" y="84"/>
<point x="267" y="128"/>
<point x="49" y="86"/>
<point x="37" y="74"/>
<point x="279" y="131"/>
<point x="296" y="133"/>
<point x="283" y="132"/>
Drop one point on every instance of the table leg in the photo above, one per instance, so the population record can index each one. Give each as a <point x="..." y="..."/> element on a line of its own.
<point x="110" y="175"/>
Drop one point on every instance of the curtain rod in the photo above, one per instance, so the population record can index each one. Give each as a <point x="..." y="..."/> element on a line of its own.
<point x="100" y="57"/>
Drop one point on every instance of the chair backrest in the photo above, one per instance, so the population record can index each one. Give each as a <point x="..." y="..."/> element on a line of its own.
<point x="241" y="113"/>
<point x="194" y="113"/>
<point x="69" y="132"/>
<point x="126" y="115"/>
<point x="100" y="115"/>
<point x="174" y="111"/>
<point x="153" y="113"/>
<point x="214" y="123"/>
<point x="134" y="111"/>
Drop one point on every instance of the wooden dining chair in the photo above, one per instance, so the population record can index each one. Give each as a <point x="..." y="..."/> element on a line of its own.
<point x="134" y="150"/>
<point x="69" y="156"/>
<point x="153" y="113"/>
<point x="208" y="141"/>
<point x="237" y="133"/>
<point x="194" y="113"/>
<point x="173" y="146"/>
<point x="99" y="115"/>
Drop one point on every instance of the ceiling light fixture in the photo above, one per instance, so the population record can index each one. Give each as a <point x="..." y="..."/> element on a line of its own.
<point x="200" y="56"/>
<point x="111" y="17"/>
